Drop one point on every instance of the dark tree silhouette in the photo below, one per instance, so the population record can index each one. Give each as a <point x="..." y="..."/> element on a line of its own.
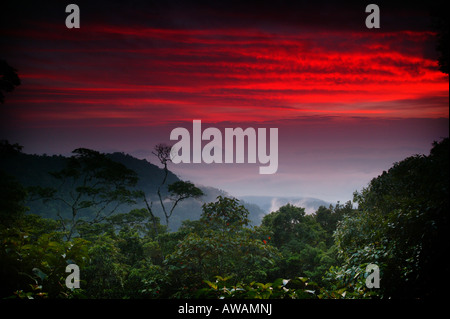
<point x="8" y="79"/>
<point x="178" y="191"/>
<point x="440" y="23"/>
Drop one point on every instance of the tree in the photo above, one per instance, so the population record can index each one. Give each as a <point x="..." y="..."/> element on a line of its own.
<point x="13" y="194"/>
<point x="301" y="240"/>
<point x="34" y="256"/>
<point x="402" y="224"/>
<point x="328" y="218"/>
<point x="12" y="202"/>
<point x="225" y="214"/>
<point x="178" y="191"/>
<point x="441" y="25"/>
<point x="91" y="187"/>
<point x="223" y="246"/>
<point x="8" y="79"/>
<point x="284" y="223"/>
<point x="106" y="271"/>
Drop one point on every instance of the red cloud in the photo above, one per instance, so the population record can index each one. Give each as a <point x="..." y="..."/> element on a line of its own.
<point x="228" y="74"/>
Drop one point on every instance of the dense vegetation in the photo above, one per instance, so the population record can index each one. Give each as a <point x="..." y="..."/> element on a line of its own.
<point x="400" y="224"/>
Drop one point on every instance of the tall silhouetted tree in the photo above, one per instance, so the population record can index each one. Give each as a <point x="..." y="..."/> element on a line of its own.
<point x="178" y="191"/>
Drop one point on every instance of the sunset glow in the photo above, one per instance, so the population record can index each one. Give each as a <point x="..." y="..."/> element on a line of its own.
<point x="295" y="66"/>
<point x="230" y="75"/>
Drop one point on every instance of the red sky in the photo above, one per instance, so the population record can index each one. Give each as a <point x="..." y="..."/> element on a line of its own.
<point x="228" y="75"/>
<point x="348" y="101"/>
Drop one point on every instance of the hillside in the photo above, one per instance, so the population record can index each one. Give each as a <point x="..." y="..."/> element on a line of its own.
<point x="33" y="170"/>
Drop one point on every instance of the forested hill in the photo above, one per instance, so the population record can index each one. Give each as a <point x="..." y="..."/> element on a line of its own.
<point x="399" y="230"/>
<point x="34" y="170"/>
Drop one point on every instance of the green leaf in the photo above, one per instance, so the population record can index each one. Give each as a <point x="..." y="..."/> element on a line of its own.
<point x="39" y="273"/>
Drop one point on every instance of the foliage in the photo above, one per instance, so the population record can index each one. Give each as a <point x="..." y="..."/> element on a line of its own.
<point x="12" y="203"/>
<point x="34" y="258"/>
<point x="32" y="170"/>
<point x="8" y="79"/>
<point x="296" y="288"/>
<point x="304" y="241"/>
<point x="179" y="191"/>
<point x="222" y="245"/>
<point x="95" y="183"/>
<point x="347" y="282"/>
<point x="400" y="224"/>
